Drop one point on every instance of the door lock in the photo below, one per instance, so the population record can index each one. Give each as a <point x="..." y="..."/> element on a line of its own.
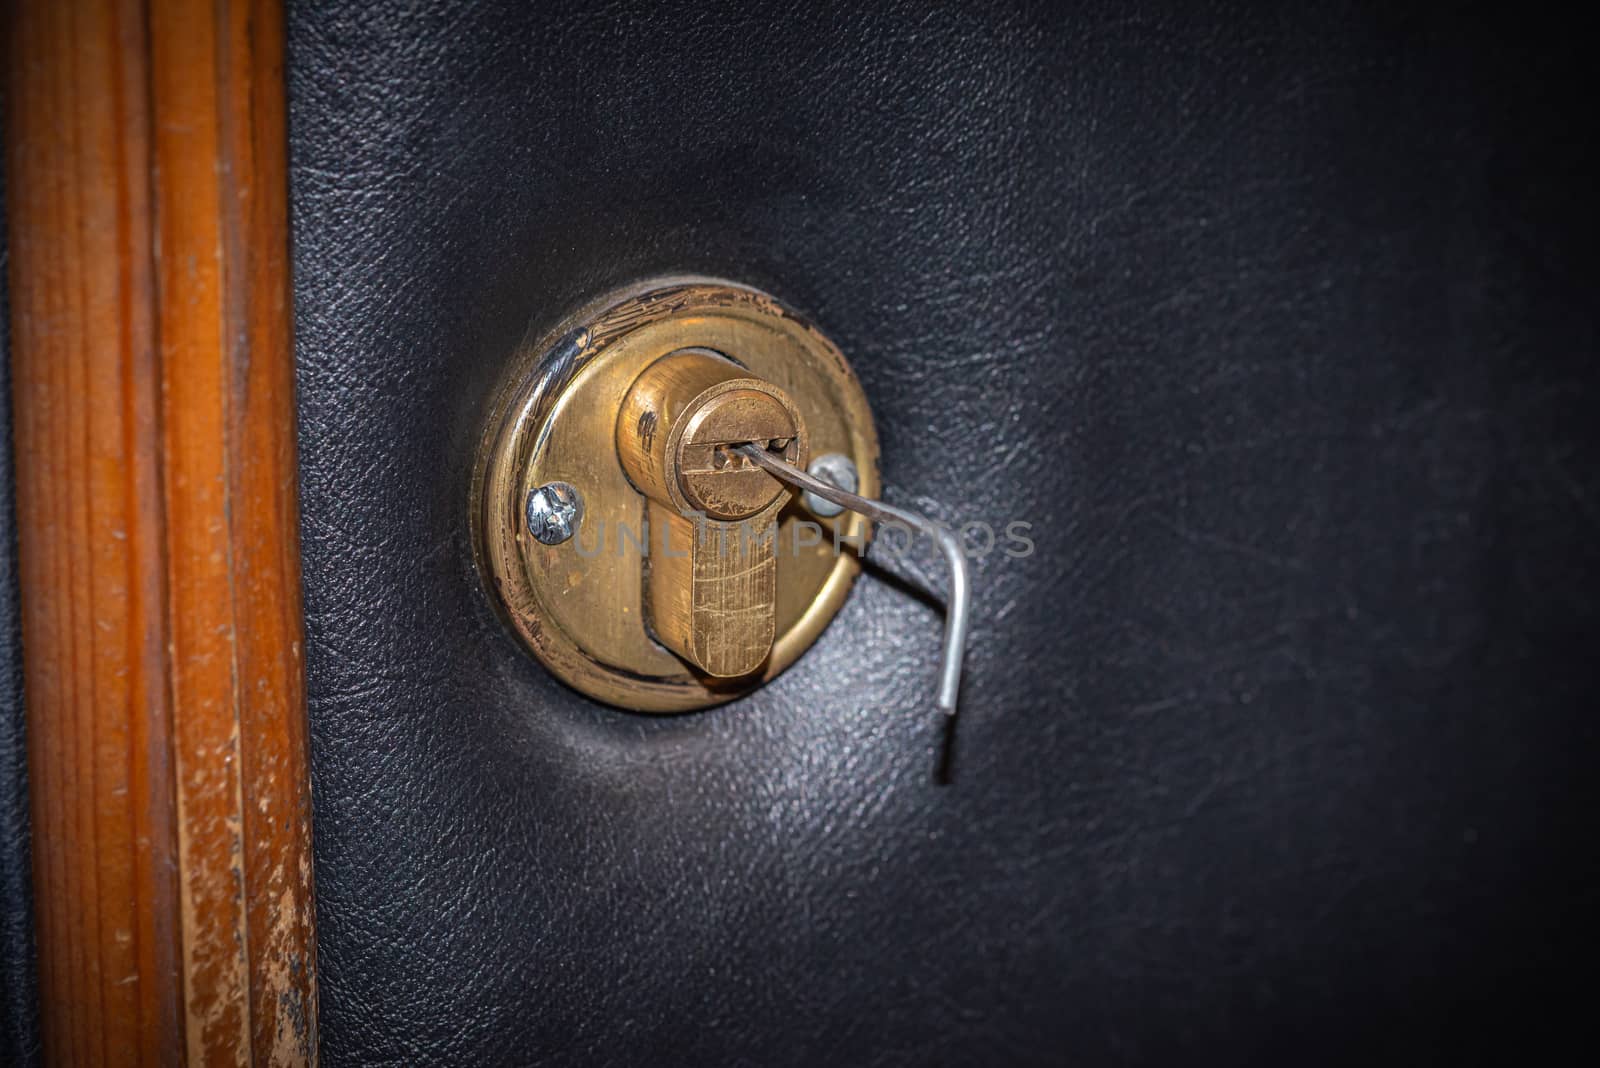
<point x="621" y="527"/>
<point x="713" y="602"/>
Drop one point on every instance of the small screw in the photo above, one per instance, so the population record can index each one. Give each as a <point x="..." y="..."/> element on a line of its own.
<point x="835" y="469"/>
<point x="554" y="511"/>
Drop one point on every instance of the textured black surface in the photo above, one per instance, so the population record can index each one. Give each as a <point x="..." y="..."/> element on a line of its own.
<point x="1278" y="329"/>
<point x="19" y="1033"/>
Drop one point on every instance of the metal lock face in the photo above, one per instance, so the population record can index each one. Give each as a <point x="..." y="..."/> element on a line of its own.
<point x="635" y="554"/>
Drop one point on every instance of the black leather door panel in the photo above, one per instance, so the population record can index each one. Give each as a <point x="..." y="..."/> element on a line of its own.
<point x="19" y="1036"/>
<point x="1275" y="328"/>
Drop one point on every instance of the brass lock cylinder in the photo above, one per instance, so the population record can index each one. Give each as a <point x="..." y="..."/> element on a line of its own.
<point x="677" y="421"/>
<point x="620" y="422"/>
<point x="711" y="582"/>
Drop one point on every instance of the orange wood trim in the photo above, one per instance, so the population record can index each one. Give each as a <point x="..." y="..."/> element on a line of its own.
<point x="156" y="502"/>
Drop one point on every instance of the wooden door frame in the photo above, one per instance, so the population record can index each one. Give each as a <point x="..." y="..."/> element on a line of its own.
<point x="153" y="392"/>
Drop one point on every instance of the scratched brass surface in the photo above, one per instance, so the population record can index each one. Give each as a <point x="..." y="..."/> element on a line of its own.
<point x="711" y="583"/>
<point x="580" y="606"/>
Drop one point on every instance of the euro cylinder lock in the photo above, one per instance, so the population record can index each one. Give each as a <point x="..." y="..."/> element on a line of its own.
<point x="643" y="513"/>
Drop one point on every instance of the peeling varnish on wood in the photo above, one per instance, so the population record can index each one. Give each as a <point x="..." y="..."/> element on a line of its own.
<point x="159" y="530"/>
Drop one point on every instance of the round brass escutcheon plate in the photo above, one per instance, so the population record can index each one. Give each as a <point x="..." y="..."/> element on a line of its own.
<point x="579" y="605"/>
